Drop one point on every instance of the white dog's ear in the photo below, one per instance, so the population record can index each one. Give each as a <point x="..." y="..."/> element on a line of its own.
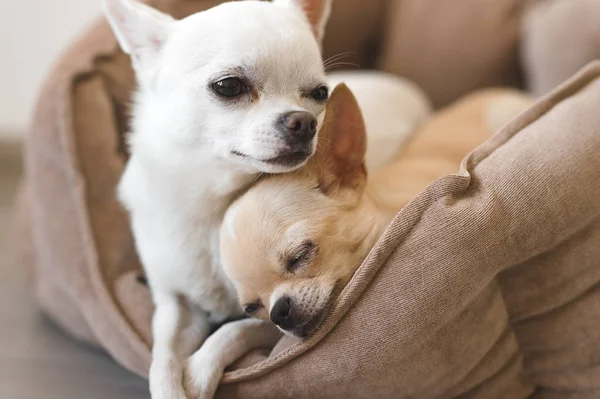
<point x="140" y="29"/>
<point x="316" y="11"/>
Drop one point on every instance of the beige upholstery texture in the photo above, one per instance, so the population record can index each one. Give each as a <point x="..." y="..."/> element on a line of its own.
<point x="439" y="309"/>
<point x="451" y="48"/>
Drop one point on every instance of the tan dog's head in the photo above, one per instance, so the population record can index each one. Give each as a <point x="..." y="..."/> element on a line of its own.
<point x="293" y="241"/>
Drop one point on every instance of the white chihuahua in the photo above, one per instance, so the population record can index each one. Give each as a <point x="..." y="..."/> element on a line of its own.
<point x="223" y="95"/>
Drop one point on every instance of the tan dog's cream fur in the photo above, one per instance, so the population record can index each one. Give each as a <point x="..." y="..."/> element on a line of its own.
<point x="301" y="236"/>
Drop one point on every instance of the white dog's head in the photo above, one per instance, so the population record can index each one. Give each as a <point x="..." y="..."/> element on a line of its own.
<point x="241" y="82"/>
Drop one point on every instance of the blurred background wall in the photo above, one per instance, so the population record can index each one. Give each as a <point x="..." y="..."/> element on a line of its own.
<point x="32" y="34"/>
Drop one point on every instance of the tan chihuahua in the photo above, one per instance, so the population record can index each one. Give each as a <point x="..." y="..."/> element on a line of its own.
<point x="293" y="241"/>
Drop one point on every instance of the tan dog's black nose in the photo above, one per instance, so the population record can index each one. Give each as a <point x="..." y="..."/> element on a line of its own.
<point x="301" y="125"/>
<point x="281" y="313"/>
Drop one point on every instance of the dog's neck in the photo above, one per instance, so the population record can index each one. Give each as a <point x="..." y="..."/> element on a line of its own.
<point x="382" y="206"/>
<point x="376" y="212"/>
<point x="204" y="189"/>
<point x="375" y="216"/>
<point x="385" y="199"/>
<point x="179" y="206"/>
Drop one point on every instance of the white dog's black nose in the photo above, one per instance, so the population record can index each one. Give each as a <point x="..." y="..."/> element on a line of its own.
<point x="282" y="314"/>
<point x="300" y="125"/>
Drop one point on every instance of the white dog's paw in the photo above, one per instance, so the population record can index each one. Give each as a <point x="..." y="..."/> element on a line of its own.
<point x="166" y="380"/>
<point x="202" y="376"/>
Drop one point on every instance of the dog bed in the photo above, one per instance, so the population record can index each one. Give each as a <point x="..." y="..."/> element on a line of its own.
<point x="484" y="286"/>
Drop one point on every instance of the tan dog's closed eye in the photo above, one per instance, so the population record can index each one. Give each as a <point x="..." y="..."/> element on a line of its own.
<point x="292" y="242"/>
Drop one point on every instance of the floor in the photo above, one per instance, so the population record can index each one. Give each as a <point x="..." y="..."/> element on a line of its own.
<point x="36" y="359"/>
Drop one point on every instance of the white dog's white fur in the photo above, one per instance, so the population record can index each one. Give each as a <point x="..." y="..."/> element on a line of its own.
<point x="193" y="151"/>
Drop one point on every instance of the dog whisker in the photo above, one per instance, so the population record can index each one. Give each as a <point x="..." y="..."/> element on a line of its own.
<point x="338" y="64"/>
<point x="256" y="178"/>
<point x="338" y="57"/>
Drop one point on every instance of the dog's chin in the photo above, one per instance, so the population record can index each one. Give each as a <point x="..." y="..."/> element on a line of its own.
<point x="312" y="325"/>
<point x="309" y="327"/>
<point x="281" y="163"/>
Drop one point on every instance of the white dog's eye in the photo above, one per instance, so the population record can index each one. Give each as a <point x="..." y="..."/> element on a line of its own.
<point x="320" y="94"/>
<point x="230" y="87"/>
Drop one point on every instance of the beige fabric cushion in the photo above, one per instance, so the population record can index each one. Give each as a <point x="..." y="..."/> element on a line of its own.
<point x="81" y="243"/>
<point x="450" y="48"/>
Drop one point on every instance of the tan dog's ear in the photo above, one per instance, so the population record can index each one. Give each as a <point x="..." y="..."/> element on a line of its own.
<point x="340" y="158"/>
<point x="316" y="11"/>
